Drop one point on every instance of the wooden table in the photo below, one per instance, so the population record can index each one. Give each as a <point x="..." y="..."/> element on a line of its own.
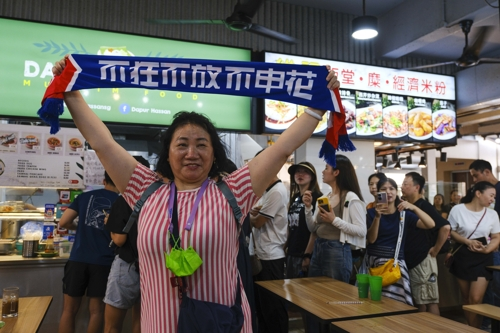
<point x="31" y="313"/>
<point x="412" y="322"/>
<point x="317" y="296"/>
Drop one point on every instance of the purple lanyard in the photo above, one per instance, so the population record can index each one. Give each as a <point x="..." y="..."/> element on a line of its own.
<point x="173" y="194"/>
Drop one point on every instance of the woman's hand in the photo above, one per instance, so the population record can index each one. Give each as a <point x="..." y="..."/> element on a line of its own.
<point x="324" y="216"/>
<point x="475" y="246"/>
<point x="381" y="209"/>
<point x="333" y="82"/>
<point x="307" y="199"/>
<point x="255" y="210"/>
<point x="59" y="66"/>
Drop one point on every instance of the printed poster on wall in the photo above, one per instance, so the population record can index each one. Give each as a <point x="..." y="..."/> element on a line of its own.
<point x="31" y="157"/>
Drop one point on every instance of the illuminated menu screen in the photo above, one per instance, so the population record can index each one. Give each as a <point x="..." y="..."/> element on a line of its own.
<point x="32" y="48"/>
<point x="380" y="103"/>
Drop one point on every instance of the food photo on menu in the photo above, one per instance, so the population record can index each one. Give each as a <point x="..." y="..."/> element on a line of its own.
<point x="443" y="121"/>
<point x="395" y="117"/>
<point x="369" y="114"/>
<point x="349" y="103"/>
<point x="8" y="142"/>
<point x="419" y="119"/>
<point x="30" y="143"/>
<point x="279" y="115"/>
<point x="321" y="127"/>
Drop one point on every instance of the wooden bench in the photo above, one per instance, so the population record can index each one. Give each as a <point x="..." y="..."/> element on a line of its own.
<point x="489" y="311"/>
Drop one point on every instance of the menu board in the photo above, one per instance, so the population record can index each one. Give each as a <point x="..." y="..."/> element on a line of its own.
<point x="30" y="156"/>
<point x="379" y="103"/>
<point x="33" y="48"/>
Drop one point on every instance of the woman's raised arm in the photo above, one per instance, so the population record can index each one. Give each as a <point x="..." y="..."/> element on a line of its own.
<point x="116" y="160"/>
<point x="265" y="166"/>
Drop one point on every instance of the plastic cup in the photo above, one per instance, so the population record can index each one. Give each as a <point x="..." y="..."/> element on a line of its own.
<point x="375" y="288"/>
<point x="10" y="302"/>
<point x="363" y="285"/>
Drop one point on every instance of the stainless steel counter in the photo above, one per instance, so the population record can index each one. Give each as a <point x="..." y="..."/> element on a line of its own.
<point x="18" y="260"/>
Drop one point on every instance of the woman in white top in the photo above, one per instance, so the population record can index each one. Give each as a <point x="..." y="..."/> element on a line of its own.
<point x="472" y="223"/>
<point x="340" y="227"/>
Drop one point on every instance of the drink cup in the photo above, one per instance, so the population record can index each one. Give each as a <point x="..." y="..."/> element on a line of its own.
<point x="10" y="302"/>
<point x="375" y="288"/>
<point x="363" y="285"/>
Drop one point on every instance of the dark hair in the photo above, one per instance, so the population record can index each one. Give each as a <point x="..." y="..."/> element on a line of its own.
<point x="480" y="165"/>
<point x="313" y="185"/>
<point x="393" y="183"/>
<point x="442" y="198"/>
<point x="108" y="179"/>
<point x="479" y="186"/>
<point x="379" y="175"/>
<point x="417" y="179"/>
<point x="347" y="179"/>
<point x="192" y="118"/>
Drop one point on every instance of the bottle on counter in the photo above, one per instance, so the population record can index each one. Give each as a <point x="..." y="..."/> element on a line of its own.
<point x="49" y="245"/>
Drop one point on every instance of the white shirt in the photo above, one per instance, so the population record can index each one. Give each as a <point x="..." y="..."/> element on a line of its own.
<point x="464" y="221"/>
<point x="271" y="237"/>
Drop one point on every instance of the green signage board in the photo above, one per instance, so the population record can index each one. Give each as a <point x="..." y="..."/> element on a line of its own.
<point x="30" y="49"/>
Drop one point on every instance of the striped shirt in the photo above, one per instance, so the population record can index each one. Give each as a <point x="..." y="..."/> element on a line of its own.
<point x="213" y="235"/>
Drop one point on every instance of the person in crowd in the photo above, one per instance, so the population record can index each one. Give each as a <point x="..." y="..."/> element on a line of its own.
<point x="91" y="257"/>
<point x="269" y="221"/>
<point x="439" y="205"/>
<point x="300" y="242"/>
<point x="191" y="154"/>
<point x="481" y="170"/>
<point x="472" y="223"/>
<point x="422" y="246"/>
<point x="123" y="289"/>
<point x="341" y="226"/>
<point x="382" y="237"/>
<point x="372" y="185"/>
<point x="455" y="197"/>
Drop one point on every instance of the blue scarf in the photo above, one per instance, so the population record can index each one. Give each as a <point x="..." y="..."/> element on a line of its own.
<point x="297" y="84"/>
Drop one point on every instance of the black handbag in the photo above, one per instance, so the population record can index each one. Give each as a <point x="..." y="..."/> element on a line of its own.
<point x="201" y="316"/>
<point x="450" y="257"/>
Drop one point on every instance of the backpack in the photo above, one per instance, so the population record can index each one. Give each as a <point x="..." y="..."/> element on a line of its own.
<point x="243" y="258"/>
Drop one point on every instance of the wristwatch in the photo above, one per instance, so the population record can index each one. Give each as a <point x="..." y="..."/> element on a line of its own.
<point x="306" y="255"/>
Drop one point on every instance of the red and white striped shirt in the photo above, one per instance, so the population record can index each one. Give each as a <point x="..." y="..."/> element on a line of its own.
<point x="213" y="235"/>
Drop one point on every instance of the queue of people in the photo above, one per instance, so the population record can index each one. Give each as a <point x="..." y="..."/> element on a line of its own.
<point x="293" y="236"/>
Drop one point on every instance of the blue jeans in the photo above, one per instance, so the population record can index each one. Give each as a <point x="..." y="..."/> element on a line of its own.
<point x="331" y="258"/>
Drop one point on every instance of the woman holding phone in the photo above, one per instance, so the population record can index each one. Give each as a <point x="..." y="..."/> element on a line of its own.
<point x="382" y="236"/>
<point x="472" y="223"/>
<point x="339" y="226"/>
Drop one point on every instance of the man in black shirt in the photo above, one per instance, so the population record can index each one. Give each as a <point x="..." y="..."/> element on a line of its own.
<point x="422" y="247"/>
<point x="123" y="289"/>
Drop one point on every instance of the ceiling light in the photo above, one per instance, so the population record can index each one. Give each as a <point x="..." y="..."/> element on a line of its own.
<point x="364" y="27"/>
<point x="397" y="166"/>
<point x="408" y="159"/>
<point x="497" y="140"/>
<point x="422" y="163"/>
<point x="384" y="162"/>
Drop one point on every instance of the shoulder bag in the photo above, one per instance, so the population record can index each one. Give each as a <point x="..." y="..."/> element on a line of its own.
<point x="390" y="271"/>
<point x="448" y="261"/>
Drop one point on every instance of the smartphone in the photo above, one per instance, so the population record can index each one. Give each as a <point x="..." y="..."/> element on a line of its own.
<point x="382" y="199"/>
<point x="323" y="203"/>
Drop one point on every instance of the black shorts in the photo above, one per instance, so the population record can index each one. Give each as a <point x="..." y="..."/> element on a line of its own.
<point x="79" y="276"/>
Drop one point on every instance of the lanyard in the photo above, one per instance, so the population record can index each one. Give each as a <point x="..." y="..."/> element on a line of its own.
<point x="173" y="194"/>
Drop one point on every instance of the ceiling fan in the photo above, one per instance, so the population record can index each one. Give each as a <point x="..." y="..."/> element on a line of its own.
<point x="470" y="55"/>
<point x="239" y="20"/>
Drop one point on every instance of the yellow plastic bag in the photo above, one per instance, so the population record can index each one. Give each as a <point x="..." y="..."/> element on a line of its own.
<point x="183" y="262"/>
<point x="389" y="272"/>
